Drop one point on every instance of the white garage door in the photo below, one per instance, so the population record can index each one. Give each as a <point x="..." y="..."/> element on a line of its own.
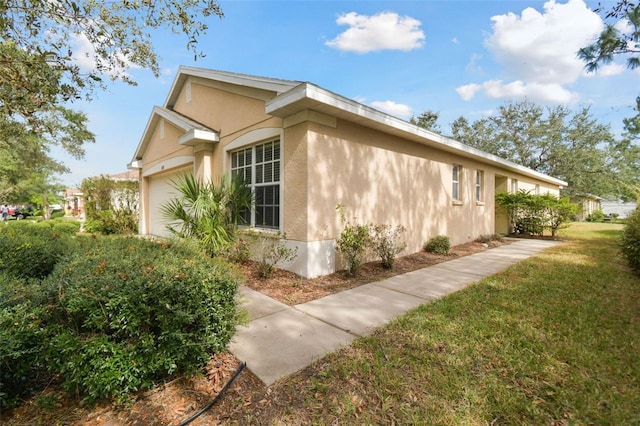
<point x="160" y="191"/>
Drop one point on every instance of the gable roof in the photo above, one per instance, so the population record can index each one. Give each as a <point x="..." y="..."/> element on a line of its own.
<point x="292" y="96"/>
<point x="194" y="132"/>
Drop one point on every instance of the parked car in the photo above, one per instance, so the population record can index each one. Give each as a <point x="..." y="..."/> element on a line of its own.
<point x="21" y="212"/>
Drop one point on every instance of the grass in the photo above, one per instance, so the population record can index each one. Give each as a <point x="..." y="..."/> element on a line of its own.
<point x="552" y="340"/>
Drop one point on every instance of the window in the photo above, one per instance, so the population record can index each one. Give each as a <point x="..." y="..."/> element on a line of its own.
<point x="514" y="186"/>
<point x="479" y="185"/>
<point x="537" y="189"/>
<point x="455" y="189"/>
<point x="259" y="166"/>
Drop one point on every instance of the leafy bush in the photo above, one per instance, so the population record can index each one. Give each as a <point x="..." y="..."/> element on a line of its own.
<point x="531" y="214"/>
<point x="139" y="311"/>
<point x="352" y="242"/>
<point x="487" y="238"/>
<point x="439" y="244"/>
<point x="271" y="251"/>
<point x="631" y="240"/>
<point x="24" y="310"/>
<point x="31" y="250"/>
<point x="114" y="317"/>
<point x="385" y="243"/>
<point x="596" y="216"/>
<point x="66" y="227"/>
<point x="112" y="222"/>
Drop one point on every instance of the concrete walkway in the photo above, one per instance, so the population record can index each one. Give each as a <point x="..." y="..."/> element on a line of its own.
<point x="280" y="340"/>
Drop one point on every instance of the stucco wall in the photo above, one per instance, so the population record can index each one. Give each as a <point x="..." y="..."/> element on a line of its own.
<point x="386" y="180"/>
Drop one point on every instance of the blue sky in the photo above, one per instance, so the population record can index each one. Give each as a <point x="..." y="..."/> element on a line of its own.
<point x="459" y="58"/>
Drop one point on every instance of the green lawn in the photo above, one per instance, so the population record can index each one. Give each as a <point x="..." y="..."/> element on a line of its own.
<point x="552" y="340"/>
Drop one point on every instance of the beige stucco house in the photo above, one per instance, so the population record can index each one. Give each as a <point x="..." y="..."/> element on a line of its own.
<point x="306" y="150"/>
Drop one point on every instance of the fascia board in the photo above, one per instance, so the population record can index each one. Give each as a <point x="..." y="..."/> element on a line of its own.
<point x="264" y="83"/>
<point x="317" y="94"/>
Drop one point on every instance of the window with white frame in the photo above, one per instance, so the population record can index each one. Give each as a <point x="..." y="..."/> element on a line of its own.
<point x="514" y="186"/>
<point x="479" y="185"/>
<point x="455" y="188"/>
<point x="259" y="166"/>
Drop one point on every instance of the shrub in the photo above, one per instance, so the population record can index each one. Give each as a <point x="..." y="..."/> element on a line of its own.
<point x="31" y="250"/>
<point x="24" y="311"/>
<point x="66" y="227"/>
<point x="352" y="242"/>
<point x="239" y="252"/>
<point x="114" y="317"/>
<point x="132" y="311"/>
<point x="112" y="222"/>
<point x="631" y="240"/>
<point x="385" y="243"/>
<point x="439" y="245"/>
<point x="271" y="251"/>
<point x="596" y="216"/>
<point x="487" y="238"/>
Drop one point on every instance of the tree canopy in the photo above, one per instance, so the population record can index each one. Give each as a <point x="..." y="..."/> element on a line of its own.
<point x="54" y="52"/>
<point x="614" y="41"/>
<point x="572" y="146"/>
<point x="427" y="120"/>
<point x="621" y="38"/>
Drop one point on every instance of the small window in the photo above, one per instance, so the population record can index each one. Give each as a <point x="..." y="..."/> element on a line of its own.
<point x="455" y="188"/>
<point x="537" y="189"/>
<point x="188" y="92"/>
<point x="514" y="186"/>
<point x="479" y="185"/>
<point x="161" y="130"/>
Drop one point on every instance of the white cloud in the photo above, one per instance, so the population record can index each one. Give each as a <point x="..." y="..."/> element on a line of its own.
<point x="468" y="91"/>
<point x="85" y="57"/>
<point x="455" y="40"/>
<point x="384" y="31"/>
<point x="606" y="71"/>
<point x="537" y="51"/>
<point x="393" y="108"/>
<point x="473" y="63"/>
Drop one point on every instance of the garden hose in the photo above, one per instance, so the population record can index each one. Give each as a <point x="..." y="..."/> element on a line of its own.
<point x="210" y="404"/>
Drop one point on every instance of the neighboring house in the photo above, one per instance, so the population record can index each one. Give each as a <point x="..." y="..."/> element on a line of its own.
<point x="75" y="199"/>
<point x="74" y="202"/>
<point x="123" y="198"/>
<point x="305" y="150"/>
<point x="588" y="203"/>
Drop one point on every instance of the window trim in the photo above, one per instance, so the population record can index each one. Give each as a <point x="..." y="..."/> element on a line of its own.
<point x="456" y="179"/>
<point x="479" y="187"/>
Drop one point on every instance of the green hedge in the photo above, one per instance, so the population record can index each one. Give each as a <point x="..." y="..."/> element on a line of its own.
<point x="631" y="240"/>
<point x="115" y="316"/>
<point x="31" y="249"/>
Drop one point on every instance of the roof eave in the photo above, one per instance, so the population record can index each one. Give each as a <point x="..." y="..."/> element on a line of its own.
<point x="309" y="96"/>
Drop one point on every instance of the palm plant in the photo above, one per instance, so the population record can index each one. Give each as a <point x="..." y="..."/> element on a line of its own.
<point x="207" y="212"/>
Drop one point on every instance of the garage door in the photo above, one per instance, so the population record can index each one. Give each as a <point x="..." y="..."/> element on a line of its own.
<point x="160" y="191"/>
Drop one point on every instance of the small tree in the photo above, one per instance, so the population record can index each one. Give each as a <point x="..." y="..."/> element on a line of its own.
<point x="111" y="206"/>
<point x="386" y="244"/>
<point x="272" y="250"/>
<point x="531" y="214"/>
<point x="207" y="212"/>
<point x="352" y="242"/>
